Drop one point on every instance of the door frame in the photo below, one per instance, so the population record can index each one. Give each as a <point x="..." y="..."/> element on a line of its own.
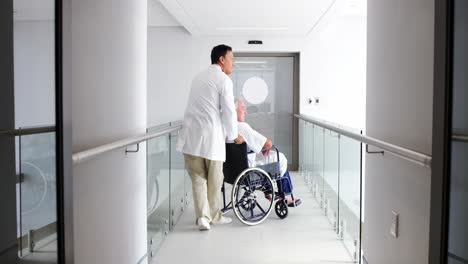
<point x="8" y="223"/>
<point x="296" y="95"/>
<point x="441" y="131"/>
<point x="63" y="56"/>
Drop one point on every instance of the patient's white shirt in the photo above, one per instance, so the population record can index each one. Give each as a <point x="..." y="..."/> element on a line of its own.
<point x="255" y="141"/>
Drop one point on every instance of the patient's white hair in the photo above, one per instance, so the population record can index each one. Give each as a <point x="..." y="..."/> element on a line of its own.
<point x="236" y="101"/>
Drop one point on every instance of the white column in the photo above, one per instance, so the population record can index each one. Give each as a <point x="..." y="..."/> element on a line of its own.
<point x="400" y="59"/>
<point x="109" y="40"/>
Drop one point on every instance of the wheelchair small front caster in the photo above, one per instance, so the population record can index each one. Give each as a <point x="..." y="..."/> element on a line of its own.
<point x="281" y="209"/>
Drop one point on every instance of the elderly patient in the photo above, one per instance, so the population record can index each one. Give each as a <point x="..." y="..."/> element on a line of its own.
<point x="257" y="143"/>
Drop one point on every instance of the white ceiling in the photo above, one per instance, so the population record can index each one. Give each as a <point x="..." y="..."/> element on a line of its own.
<point x="247" y="17"/>
<point x="158" y="15"/>
<point x="222" y="17"/>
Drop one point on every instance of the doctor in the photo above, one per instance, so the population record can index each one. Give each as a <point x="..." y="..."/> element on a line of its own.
<point x="210" y="119"/>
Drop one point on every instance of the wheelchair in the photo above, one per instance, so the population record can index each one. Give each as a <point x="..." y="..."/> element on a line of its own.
<point x="254" y="189"/>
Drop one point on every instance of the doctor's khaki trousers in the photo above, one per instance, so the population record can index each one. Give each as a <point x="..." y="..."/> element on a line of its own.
<point x="207" y="178"/>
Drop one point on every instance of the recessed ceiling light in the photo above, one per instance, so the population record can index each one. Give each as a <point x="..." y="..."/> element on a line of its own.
<point x="257" y="28"/>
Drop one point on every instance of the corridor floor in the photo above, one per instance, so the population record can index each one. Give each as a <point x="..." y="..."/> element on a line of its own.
<point x="305" y="236"/>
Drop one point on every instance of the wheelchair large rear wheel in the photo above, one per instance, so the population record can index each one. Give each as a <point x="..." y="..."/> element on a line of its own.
<point x="251" y="196"/>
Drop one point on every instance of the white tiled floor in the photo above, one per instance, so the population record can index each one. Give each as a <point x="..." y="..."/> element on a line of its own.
<point x="305" y="236"/>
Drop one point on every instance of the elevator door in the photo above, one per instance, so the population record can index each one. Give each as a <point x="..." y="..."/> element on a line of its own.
<point x="268" y="86"/>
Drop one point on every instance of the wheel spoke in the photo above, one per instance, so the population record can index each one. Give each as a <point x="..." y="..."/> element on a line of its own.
<point x="248" y="188"/>
<point x="260" y="207"/>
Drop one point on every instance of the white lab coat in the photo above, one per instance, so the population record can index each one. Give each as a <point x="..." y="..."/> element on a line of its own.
<point x="210" y="117"/>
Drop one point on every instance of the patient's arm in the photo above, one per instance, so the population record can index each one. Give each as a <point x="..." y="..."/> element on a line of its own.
<point x="268" y="144"/>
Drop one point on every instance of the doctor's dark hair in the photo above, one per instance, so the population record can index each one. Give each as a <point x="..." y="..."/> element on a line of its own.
<point x="219" y="51"/>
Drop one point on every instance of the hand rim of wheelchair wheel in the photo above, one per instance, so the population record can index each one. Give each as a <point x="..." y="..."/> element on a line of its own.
<point x="235" y="192"/>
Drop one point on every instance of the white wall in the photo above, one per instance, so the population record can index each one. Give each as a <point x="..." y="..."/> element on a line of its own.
<point x="175" y="57"/>
<point x="329" y="69"/>
<point x="399" y="111"/>
<point x="332" y="65"/>
<point x="158" y="15"/>
<point x="334" y="68"/>
<point x="109" y="39"/>
<point x="34" y="62"/>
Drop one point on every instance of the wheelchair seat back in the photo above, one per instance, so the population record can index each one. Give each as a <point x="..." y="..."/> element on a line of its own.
<point x="236" y="161"/>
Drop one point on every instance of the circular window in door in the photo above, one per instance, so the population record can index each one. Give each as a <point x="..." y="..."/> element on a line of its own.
<point x="255" y="90"/>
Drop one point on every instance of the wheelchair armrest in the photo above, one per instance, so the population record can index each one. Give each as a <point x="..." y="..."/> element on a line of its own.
<point x="275" y="148"/>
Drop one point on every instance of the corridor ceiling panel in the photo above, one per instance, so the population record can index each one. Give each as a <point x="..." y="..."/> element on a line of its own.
<point x="248" y="17"/>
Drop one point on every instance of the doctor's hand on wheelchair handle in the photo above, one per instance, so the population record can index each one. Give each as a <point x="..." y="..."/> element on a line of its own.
<point x="239" y="140"/>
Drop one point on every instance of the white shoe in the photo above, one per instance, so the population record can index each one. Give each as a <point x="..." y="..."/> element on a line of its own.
<point x="203" y="224"/>
<point x="224" y="220"/>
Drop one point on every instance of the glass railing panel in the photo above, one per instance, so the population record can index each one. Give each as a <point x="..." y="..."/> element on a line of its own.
<point x="188" y="189"/>
<point x="303" y="149"/>
<point x="177" y="182"/>
<point x="301" y="146"/>
<point x="37" y="199"/>
<point x="330" y="173"/>
<point x="317" y="170"/>
<point x="309" y="154"/>
<point x="158" y="191"/>
<point x="159" y="127"/>
<point x="350" y="194"/>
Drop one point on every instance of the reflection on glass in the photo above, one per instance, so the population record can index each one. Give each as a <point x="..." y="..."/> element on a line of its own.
<point x="330" y="173"/>
<point x="350" y="193"/>
<point x="37" y="199"/>
<point x="158" y="191"/>
<point x="168" y="186"/>
<point x="331" y="166"/>
<point x="458" y="230"/>
<point x="317" y="172"/>
<point x="34" y="63"/>
<point x="177" y="182"/>
<point x="309" y="154"/>
<point x="458" y="192"/>
<point x="34" y="88"/>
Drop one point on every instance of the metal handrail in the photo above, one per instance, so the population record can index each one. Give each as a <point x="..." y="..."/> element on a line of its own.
<point x="27" y="131"/>
<point x="407" y="154"/>
<point x="459" y="137"/>
<point x="165" y="125"/>
<point x="82" y="156"/>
